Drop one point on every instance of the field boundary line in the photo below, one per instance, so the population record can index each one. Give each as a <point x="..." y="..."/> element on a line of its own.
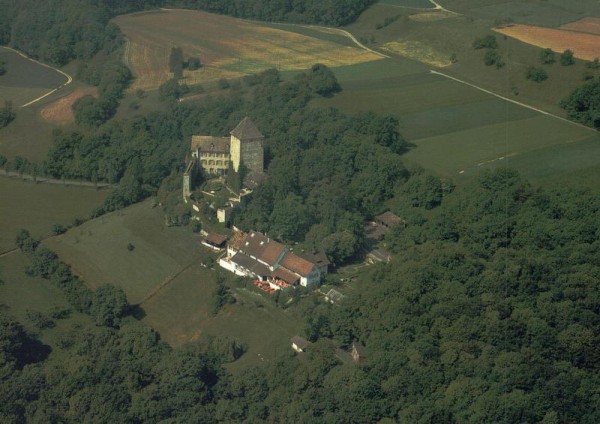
<point x="345" y="33"/>
<point x="436" y="6"/>
<point x="543" y="112"/>
<point x="69" y="78"/>
<point x="9" y="252"/>
<point x="165" y="283"/>
<point x="46" y="180"/>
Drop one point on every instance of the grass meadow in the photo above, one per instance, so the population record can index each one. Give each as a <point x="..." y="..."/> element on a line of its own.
<point x="164" y="276"/>
<point x="457" y="130"/>
<point x="38" y="207"/>
<point x="227" y="47"/>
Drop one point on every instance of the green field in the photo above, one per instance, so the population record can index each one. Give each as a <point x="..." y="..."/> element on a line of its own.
<point x="454" y="127"/>
<point x="38" y="207"/>
<point x="165" y="277"/>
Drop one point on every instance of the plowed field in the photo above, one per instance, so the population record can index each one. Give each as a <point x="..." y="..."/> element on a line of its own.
<point x="227" y="47"/>
<point x="589" y="25"/>
<point x="60" y="111"/>
<point x="585" y="46"/>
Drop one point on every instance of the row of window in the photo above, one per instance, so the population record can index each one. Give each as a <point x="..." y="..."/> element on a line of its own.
<point x="215" y="162"/>
<point x="214" y="155"/>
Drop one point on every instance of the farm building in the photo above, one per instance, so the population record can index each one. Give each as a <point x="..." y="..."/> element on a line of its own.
<point x="215" y="241"/>
<point x="215" y="155"/>
<point x="257" y="256"/>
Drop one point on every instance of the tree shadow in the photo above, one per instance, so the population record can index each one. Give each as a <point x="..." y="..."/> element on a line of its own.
<point x="137" y="312"/>
<point x="33" y="351"/>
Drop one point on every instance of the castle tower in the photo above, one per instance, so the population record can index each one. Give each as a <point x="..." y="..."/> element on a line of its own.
<point x="247" y="147"/>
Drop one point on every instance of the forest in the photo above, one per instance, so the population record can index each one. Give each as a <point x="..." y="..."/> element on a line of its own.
<point x="488" y="311"/>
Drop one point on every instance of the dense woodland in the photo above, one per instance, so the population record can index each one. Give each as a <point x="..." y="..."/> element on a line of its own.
<point x="488" y="311"/>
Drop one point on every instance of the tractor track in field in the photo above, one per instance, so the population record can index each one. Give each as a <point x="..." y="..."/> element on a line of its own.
<point x="543" y="112"/>
<point x="165" y="283"/>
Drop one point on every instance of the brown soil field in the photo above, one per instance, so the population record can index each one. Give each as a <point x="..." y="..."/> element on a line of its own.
<point x="60" y="111"/>
<point x="227" y="47"/>
<point x="585" y="46"/>
<point x="589" y="25"/>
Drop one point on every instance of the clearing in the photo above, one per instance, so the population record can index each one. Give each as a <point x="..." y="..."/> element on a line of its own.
<point x="228" y="47"/>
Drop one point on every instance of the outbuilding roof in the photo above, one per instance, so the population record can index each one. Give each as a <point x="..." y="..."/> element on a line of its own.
<point x="296" y="264"/>
<point x="262" y="248"/>
<point x="246" y="129"/>
<point x="388" y="218"/>
<point x="216" y="239"/>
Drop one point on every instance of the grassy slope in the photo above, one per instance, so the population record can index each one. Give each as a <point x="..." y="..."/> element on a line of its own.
<point x="38" y="207"/>
<point x="165" y="274"/>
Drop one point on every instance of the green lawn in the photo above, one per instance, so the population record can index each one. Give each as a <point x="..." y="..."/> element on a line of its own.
<point x="97" y="250"/>
<point x="450" y="153"/>
<point x="38" y="207"/>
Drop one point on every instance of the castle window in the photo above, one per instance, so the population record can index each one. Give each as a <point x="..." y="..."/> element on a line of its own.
<point x="204" y="163"/>
<point x="211" y="162"/>
<point x="219" y="163"/>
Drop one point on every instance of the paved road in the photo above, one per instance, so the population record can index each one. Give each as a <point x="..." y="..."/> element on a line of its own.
<point x="46" y="180"/>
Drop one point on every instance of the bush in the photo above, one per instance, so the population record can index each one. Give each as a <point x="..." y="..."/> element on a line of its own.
<point x="567" y="58"/>
<point x="594" y="64"/>
<point x="130" y="247"/>
<point x="536" y="74"/>
<point x="487" y="42"/>
<point x="547" y="57"/>
<point x="194" y="63"/>
<point x="492" y="57"/>
<point x="224" y="83"/>
<point x="58" y="229"/>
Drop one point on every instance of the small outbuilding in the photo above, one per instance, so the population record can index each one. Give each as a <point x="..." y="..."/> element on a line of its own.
<point x="334" y="296"/>
<point x="299" y="344"/>
<point x="215" y="241"/>
<point x="388" y="219"/>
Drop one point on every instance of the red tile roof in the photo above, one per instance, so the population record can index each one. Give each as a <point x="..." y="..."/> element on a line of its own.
<point x="216" y="239"/>
<point x="296" y="264"/>
<point x="262" y="248"/>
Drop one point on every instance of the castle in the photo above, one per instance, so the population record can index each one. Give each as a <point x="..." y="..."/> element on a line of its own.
<point x="215" y="155"/>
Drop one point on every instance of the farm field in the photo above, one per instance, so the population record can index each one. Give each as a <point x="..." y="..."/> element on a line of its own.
<point x="25" y="80"/>
<point x="585" y="46"/>
<point x="589" y="25"/>
<point x="97" y="250"/>
<point x="454" y="127"/>
<point x="165" y="278"/>
<point x="38" y="207"/>
<point x="227" y="47"/>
